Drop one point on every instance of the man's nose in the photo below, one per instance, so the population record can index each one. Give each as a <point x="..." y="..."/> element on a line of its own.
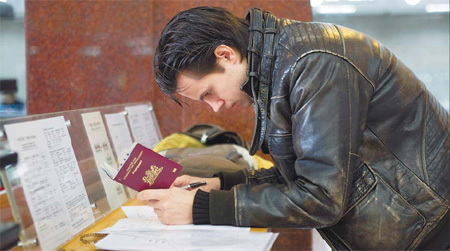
<point x="216" y="104"/>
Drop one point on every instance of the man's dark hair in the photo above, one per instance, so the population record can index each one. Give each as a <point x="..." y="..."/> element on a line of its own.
<point x="188" y="42"/>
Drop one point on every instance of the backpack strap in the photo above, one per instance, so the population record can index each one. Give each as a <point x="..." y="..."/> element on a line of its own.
<point x="209" y="134"/>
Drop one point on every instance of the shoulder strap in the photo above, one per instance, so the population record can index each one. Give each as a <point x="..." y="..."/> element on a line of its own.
<point x="210" y="134"/>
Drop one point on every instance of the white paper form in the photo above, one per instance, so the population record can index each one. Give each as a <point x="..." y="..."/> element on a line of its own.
<point x="98" y="139"/>
<point x="143" y="126"/>
<point x="143" y="231"/>
<point x="143" y="218"/>
<point x="139" y="212"/>
<point x="119" y="132"/>
<point x="51" y="180"/>
<point x="152" y="224"/>
<point x="120" y="136"/>
<point x="189" y="240"/>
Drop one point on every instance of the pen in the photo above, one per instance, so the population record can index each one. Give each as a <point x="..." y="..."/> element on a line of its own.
<point x="194" y="185"/>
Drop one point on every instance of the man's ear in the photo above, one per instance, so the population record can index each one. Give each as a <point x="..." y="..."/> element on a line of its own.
<point x="226" y="53"/>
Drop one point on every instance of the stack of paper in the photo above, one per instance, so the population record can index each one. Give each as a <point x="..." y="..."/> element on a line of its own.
<point x="143" y="231"/>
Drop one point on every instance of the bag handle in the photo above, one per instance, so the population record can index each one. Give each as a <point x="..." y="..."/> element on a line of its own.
<point x="209" y="134"/>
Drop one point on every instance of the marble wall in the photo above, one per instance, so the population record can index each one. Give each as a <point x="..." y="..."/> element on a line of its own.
<point x="84" y="54"/>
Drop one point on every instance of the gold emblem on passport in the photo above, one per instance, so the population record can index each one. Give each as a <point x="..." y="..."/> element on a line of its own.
<point x="152" y="174"/>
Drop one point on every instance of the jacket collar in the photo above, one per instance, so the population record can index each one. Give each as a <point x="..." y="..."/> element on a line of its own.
<point x="263" y="28"/>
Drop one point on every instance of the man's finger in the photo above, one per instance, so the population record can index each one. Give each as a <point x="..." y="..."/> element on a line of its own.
<point x="157" y="211"/>
<point x="181" y="181"/>
<point x="152" y="203"/>
<point x="152" y="194"/>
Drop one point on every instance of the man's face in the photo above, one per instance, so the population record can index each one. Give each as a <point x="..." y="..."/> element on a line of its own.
<point x="220" y="89"/>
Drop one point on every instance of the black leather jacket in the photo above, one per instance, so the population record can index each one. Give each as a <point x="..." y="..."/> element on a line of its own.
<point x="361" y="147"/>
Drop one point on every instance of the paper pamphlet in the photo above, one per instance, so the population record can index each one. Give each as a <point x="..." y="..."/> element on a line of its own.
<point x="143" y="125"/>
<point x="101" y="149"/>
<point x="143" y="231"/>
<point x="51" y="179"/>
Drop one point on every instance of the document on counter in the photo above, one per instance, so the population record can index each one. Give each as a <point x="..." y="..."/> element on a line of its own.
<point x="120" y="136"/>
<point x="143" y="230"/>
<point x="119" y="132"/>
<point x="139" y="212"/>
<point x="189" y="240"/>
<point x="51" y="180"/>
<point x="143" y="218"/>
<point x="143" y="126"/>
<point x="153" y="224"/>
<point x="98" y="139"/>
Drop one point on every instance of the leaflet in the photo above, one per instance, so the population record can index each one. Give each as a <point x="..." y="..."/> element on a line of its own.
<point x="143" y="230"/>
<point x="143" y="125"/>
<point x="153" y="223"/>
<point x="207" y="240"/>
<point x="51" y="180"/>
<point x="98" y="139"/>
<point x="120" y="136"/>
<point x="119" y="132"/>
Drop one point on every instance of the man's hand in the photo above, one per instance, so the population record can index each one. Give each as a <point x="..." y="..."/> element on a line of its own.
<point x="173" y="206"/>
<point x="211" y="183"/>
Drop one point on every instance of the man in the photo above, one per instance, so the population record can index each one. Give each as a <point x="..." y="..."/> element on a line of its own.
<point x="360" y="146"/>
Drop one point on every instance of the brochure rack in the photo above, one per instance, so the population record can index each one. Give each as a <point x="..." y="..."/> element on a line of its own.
<point x="95" y="190"/>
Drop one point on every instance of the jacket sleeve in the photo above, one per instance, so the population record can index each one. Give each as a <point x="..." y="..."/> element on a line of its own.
<point x="230" y="179"/>
<point x="315" y="146"/>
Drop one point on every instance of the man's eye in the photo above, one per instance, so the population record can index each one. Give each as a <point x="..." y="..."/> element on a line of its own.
<point x="204" y="95"/>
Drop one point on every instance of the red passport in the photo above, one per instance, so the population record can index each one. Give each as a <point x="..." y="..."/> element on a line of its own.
<point x="142" y="168"/>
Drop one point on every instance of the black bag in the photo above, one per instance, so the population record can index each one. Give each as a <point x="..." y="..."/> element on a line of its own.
<point x="212" y="135"/>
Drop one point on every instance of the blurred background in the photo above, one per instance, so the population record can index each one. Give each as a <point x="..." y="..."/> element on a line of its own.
<point x="417" y="31"/>
<point x="13" y="84"/>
